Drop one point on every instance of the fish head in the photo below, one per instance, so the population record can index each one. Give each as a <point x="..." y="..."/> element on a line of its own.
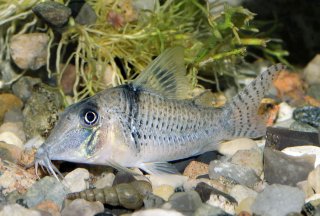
<point x="75" y="136"/>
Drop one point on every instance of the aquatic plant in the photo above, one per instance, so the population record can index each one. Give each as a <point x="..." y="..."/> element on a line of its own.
<point x="124" y="39"/>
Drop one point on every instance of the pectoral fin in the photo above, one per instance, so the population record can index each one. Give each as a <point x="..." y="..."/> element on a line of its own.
<point x="159" y="168"/>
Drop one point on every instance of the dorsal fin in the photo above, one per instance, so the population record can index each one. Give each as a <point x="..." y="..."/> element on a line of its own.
<point x="166" y="75"/>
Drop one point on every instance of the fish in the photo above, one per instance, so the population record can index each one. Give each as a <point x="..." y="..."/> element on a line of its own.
<point x="152" y="121"/>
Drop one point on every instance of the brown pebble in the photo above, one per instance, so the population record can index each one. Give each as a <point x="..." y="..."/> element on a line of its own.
<point x="29" y="51"/>
<point x="8" y="102"/>
<point x="196" y="168"/>
<point x="49" y="206"/>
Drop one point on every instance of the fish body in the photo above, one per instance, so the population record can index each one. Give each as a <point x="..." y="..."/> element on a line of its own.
<point x="150" y="121"/>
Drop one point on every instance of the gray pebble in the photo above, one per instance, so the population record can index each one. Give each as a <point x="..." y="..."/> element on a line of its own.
<point x="278" y="200"/>
<point x="53" y="13"/>
<point x="280" y="168"/>
<point x="184" y="202"/>
<point x="47" y="188"/>
<point x="235" y="173"/>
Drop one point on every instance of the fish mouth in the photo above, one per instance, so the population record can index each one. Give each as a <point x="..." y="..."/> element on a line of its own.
<point x="42" y="159"/>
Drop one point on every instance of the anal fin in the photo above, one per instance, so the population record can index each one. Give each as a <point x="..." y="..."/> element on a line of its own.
<point x="159" y="168"/>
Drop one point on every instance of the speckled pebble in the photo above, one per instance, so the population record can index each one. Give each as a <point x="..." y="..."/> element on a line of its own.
<point x="163" y="191"/>
<point x="77" y="180"/>
<point x="195" y="169"/>
<point x="81" y="207"/>
<point x="222" y="202"/>
<point x="14" y="178"/>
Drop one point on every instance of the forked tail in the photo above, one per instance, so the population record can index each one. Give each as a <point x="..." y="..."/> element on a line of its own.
<point x="242" y="111"/>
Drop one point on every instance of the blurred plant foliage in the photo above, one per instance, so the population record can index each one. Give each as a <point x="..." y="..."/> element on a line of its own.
<point x="124" y="39"/>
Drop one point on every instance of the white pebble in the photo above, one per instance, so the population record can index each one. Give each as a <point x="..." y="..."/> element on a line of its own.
<point x="302" y="150"/>
<point x="106" y="180"/>
<point x="173" y="180"/>
<point x="76" y="180"/>
<point x="229" y="148"/>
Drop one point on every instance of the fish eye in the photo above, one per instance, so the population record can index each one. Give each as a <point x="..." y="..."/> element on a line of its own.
<point x="90" y="117"/>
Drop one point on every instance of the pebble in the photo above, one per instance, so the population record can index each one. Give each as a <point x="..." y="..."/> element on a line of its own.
<point x="152" y="201"/>
<point x="304" y="150"/>
<point x="157" y="212"/>
<point x="41" y="111"/>
<point x="49" y="206"/>
<point x="8" y="102"/>
<point x="18" y="210"/>
<point x="163" y="191"/>
<point x="11" y="138"/>
<point x="312" y="71"/>
<point x="77" y="180"/>
<point x="240" y="192"/>
<point x="285" y="169"/>
<point x="231" y="147"/>
<point x="209" y="210"/>
<point x="81" y="207"/>
<point x="184" y="202"/>
<point x="285" y="112"/>
<point x="297" y="126"/>
<point x="251" y="158"/>
<point x="305" y="187"/>
<point x="313" y="91"/>
<point x="15" y="128"/>
<point x="232" y="172"/>
<point x="13" y="115"/>
<point x="245" y="205"/>
<point x="205" y="191"/>
<point x="106" y="180"/>
<point x="14" y="178"/>
<point x="23" y="87"/>
<point x="223" y="203"/>
<point x="68" y="78"/>
<point x="174" y="180"/>
<point x="308" y="115"/>
<point x="47" y="188"/>
<point x="314" y="180"/>
<point x="53" y="13"/>
<point x="29" y="51"/>
<point x="195" y="169"/>
<point x="278" y="200"/>
<point x="10" y="152"/>
<point x="86" y="15"/>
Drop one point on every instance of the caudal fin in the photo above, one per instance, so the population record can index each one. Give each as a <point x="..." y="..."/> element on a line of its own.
<point x="242" y="111"/>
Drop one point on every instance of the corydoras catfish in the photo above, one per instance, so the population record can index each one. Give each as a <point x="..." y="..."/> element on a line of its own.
<point x="149" y="121"/>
